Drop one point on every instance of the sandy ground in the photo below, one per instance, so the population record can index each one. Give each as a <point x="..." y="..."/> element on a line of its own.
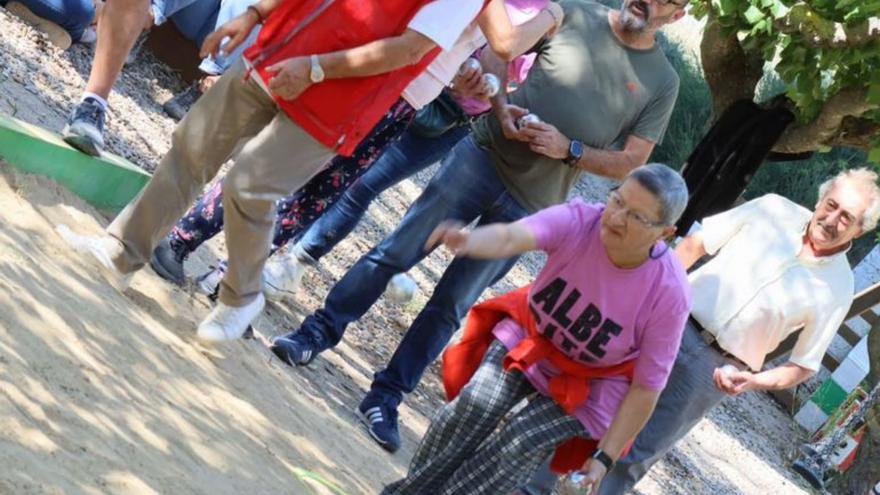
<point x="110" y="393"/>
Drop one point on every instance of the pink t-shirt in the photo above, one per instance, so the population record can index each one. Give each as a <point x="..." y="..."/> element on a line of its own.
<point x="599" y="314"/>
<point x="519" y="12"/>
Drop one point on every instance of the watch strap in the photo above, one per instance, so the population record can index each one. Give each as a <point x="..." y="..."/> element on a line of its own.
<point x="606" y="460"/>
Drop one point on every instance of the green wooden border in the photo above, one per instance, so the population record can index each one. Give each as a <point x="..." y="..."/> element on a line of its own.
<point x="108" y="182"/>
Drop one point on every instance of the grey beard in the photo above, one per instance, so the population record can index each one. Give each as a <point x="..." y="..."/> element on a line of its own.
<point x="630" y="22"/>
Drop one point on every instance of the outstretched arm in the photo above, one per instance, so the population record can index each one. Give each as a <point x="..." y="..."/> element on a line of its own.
<point x="495" y="241"/>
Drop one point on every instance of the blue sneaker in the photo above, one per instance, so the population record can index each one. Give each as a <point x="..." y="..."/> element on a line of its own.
<point x="85" y="129"/>
<point x="380" y="419"/>
<point x="299" y="348"/>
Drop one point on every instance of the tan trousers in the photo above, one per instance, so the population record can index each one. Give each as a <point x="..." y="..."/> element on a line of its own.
<point x="278" y="158"/>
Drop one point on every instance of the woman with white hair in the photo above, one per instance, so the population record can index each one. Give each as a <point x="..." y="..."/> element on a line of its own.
<point x="595" y="336"/>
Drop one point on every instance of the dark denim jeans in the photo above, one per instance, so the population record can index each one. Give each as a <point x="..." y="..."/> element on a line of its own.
<point x="466" y="187"/>
<point x="196" y="19"/>
<point x="404" y="158"/>
<point x="72" y="15"/>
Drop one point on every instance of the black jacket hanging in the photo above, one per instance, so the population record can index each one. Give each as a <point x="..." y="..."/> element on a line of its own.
<point x="723" y="163"/>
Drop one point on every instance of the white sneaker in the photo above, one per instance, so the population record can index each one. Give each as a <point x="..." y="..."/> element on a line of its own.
<point x="89" y="36"/>
<point x="229" y="322"/>
<point x="208" y="282"/>
<point x="282" y="276"/>
<point x="101" y="247"/>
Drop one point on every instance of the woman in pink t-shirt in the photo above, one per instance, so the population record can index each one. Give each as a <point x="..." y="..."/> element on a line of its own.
<point x="610" y="292"/>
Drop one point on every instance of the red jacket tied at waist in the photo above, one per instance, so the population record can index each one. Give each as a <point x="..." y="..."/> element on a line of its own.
<point x="338" y="113"/>
<point x="569" y="389"/>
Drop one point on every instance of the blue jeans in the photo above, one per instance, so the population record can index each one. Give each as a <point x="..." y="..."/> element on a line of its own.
<point x="162" y="10"/>
<point x="72" y="15"/>
<point x="202" y="17"/>
<point x="402" y="159"/>
<point x="197" y="20"/>
<point x="466" y="187"/>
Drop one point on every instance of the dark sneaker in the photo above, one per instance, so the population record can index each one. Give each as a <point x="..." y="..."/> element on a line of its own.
<point x="167" y="260"/>
<point x="85" y="129"/>
<point x="177" y="107"/>
<point x="299" y="347"/>
<point x="381" y="421"/>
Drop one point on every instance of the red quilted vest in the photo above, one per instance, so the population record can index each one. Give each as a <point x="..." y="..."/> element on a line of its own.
<point x="339" y="113"/>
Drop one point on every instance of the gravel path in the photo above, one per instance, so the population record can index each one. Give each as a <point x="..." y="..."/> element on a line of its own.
<point x="744" y="447"/>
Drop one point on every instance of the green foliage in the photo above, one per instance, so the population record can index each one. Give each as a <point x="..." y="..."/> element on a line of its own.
<point x="798" y="181"/>
<point x="803" y="42"/>
<point x="693" y="108"/>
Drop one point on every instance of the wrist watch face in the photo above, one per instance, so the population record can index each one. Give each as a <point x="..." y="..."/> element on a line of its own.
<point x="575" y="152"/>
<point x="576" y="149"/>
<point x="317" y="73"/>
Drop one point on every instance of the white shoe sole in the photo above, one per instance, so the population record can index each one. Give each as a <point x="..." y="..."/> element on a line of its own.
<point x="274" y="294"/>
<point x="212" y="332"/>
<point x="366" y="422"/>
<point x="86" y="245"/>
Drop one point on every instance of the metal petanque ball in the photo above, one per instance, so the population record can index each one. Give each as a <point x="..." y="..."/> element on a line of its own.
<point x="401" y="288"/>
<point x="571" y="484"/>
<point x="526" y="120"/>
<point x="729" y="369"/>
<point x="470" y="63"/>
<point x="492" y="83"/>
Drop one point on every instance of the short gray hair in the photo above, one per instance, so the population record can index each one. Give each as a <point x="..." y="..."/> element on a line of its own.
<point x="867" y="179"/>
<point x="666" y="185"/>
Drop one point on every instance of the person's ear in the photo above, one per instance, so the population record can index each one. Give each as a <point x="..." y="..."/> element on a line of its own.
<point x="668" y="232"/>
<point x="678" y="14"/>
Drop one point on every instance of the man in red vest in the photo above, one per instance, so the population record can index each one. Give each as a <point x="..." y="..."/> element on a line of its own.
<point x="321" y="74"/>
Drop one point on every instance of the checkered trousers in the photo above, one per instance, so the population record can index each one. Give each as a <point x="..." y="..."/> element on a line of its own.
<point x="462" y="453"/>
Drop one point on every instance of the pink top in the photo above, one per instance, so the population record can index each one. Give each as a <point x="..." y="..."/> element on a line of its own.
<point x="599" y="314"/>
<point x="519" y="12"/>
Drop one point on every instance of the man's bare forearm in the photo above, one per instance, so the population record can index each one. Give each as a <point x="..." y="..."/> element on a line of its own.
<point x="785" y="376"/>
<point x="376" y="57"/>
<point x="608" y="163"/>
<point x="265" y="7"/>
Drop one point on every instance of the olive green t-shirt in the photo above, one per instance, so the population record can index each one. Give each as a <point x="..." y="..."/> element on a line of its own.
<point x="593" y="89"/>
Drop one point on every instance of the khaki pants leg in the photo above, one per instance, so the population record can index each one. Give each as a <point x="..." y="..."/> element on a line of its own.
<point x="232" y="109"/>
<point x="278" y="160"/>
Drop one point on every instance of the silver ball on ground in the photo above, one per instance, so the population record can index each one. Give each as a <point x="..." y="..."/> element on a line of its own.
<point x="401" y="288"/>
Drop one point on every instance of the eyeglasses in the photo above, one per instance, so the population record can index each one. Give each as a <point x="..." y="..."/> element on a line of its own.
<point x="616" y="203"/>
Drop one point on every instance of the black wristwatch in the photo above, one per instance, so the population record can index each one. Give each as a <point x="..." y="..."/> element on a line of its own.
<point x="575" y="152"/>
<point x="604" y="458"/>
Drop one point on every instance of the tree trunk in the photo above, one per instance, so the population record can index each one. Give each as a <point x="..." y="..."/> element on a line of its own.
<point x="865" y="470"/>
<point x="731" y="73"/>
